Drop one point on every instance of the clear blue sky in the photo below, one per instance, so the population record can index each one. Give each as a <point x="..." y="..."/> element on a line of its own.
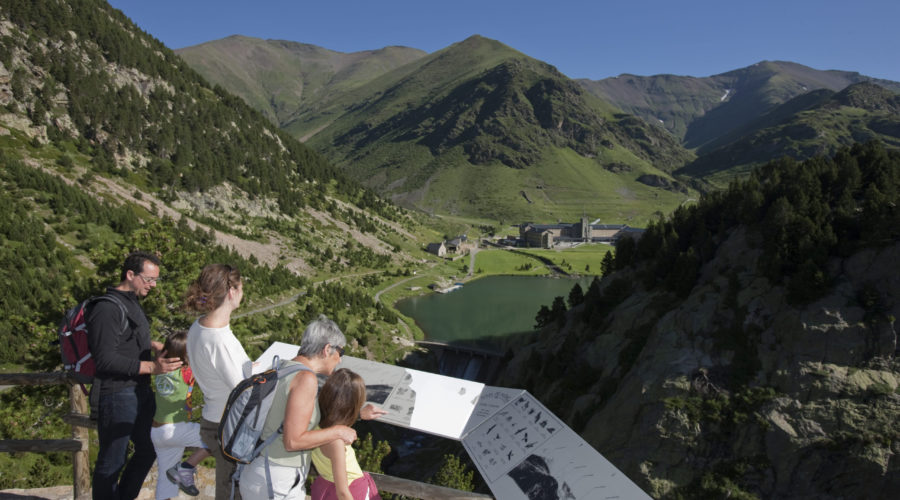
<point x="583" y="38"/>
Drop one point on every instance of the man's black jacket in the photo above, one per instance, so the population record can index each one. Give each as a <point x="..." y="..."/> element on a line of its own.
<point x="118" y="354"/>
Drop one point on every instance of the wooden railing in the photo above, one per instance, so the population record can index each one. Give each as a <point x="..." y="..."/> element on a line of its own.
<point x="78" y="445"/>
<point x="80" y="421"/>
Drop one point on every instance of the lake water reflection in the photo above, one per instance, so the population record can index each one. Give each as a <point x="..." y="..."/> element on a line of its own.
<point x="486" y="307"/>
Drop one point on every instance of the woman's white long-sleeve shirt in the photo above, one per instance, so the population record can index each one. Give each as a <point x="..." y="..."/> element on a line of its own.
<point x="219" y="363"/>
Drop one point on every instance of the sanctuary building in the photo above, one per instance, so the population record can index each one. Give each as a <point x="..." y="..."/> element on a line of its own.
<point x="550" y="235"/>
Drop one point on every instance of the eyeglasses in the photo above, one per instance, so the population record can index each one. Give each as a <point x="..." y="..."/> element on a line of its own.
<point x="149" y="281"/>
<point x="340" y="350"/>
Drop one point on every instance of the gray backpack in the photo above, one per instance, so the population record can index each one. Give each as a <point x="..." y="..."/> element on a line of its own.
<point x="241" y="428"/>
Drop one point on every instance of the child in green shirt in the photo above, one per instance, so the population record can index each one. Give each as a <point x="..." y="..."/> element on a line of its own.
<point x="173" y="429"/>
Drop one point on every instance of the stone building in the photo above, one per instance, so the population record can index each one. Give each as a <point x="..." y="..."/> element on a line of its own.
<point x="549" y="235"/>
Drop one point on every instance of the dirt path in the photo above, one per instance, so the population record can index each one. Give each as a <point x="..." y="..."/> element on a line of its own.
<point x="281" y="303"/>
<point x="270" y="253"/>
<point x="402" y="323"/>
<point x="472" y="253"/>
<point x="293" y="298"/>
<point x="392" y="286"/>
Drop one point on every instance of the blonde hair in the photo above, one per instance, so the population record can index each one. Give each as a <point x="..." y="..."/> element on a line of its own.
<point x="208" y="291"/>
<point x="341" y="397"/>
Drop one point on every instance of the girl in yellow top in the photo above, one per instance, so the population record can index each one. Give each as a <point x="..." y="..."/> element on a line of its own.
<point x="340" y="476"/>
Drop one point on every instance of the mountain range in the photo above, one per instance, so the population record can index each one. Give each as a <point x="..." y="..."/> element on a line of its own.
<point x="481" y="130"/>
<point x="703" y="111"/>
<point x="422" y="131"/>
<point x="815" y="123"/>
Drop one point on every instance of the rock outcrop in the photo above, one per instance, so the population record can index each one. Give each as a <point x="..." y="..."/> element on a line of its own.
<point x="732" y="389"/>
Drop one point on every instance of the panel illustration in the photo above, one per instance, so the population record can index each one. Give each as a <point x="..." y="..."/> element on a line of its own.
<point x="523" y="451"/>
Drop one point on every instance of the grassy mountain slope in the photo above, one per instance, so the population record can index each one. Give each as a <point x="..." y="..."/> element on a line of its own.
<point x="399" y="89"/>
<point x="285" y="80"/>
<point x="817" y="123"/>
<point x="699" y="110"/>
<point x="468" y="129"/>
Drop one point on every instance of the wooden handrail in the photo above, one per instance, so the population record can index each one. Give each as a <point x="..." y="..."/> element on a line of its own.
<point x="39" y="445"/>
<point x="80" y="421"/>
<point x="415" y="489"/>
<point x="52" y="378"/>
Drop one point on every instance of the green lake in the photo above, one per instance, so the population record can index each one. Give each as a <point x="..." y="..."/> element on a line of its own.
<point x="487" y="307"/>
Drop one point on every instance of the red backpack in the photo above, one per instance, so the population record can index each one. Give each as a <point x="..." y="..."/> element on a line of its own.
<point x="73" y="339"/>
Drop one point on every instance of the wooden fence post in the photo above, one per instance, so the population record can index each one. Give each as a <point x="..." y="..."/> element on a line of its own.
<point x="81" y="460"/>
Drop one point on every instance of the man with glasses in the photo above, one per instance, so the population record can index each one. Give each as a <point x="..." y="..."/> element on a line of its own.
<point x="124" y="363"/>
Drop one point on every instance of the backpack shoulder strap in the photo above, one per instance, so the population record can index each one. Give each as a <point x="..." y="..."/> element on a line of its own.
<point x="287" y="370"/>
<point x="284" y="372"/>
<point x="117" y="301"/>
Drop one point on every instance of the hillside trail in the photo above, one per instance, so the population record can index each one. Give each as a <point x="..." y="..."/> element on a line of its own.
<point x="294" y="297"/>
<point x="406" y="329"/>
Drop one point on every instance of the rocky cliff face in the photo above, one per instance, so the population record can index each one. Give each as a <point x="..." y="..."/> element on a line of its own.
<point x="732" y="391"/>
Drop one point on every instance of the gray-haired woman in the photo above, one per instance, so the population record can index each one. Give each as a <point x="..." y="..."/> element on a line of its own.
<point x="295" y="406"/>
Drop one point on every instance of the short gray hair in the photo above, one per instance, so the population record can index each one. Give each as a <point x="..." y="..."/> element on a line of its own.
<point x="320" y="333"/>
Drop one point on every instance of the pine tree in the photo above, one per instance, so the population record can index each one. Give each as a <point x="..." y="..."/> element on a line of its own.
<point x="454" y="474"/>
<point x="576" y="296"/>
<point x="543" y="317"/>
<point x="608" y="264"/>
<point x="558" y="309"/>
<point x="370" y="454"/>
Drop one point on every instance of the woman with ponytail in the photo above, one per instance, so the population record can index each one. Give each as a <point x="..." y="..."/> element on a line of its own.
<point x="218" y="360"/>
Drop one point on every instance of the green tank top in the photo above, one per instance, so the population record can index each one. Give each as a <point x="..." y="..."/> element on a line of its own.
<point x="277" y="453"/>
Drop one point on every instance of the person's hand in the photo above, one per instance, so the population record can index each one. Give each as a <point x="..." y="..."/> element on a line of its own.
<point x="370" y="412"/>
<point x="345" y="434"/>
<point x="156" y="345"/>
<point x="165" y="365"/>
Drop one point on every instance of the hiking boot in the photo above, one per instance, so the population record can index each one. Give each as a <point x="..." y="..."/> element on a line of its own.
<point x="184" y="478"/>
